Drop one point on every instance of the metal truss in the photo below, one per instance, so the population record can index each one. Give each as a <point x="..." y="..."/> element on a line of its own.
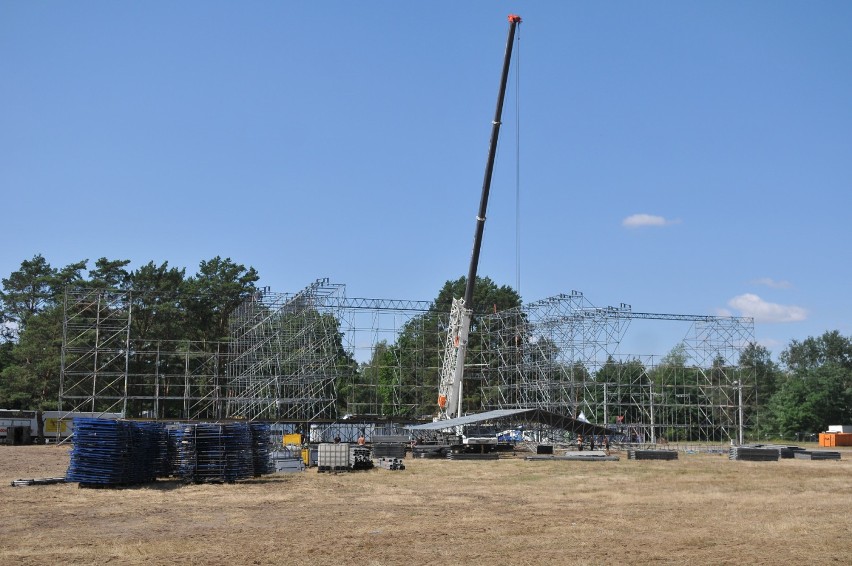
<point x="562" y="354"/>
<point x="318" y="355"/>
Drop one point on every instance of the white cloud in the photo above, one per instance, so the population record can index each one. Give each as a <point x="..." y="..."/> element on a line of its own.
<point x="641" y="220"/>
<point x="770" y="282"/>
<point x="751" y="305"/>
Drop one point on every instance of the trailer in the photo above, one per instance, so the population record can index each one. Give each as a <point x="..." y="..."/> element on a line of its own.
<point x="25" y="427"/>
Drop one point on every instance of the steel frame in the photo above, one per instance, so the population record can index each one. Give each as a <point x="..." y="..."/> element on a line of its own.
<point x="563" y="354"/>
<point x="317" y="354"/>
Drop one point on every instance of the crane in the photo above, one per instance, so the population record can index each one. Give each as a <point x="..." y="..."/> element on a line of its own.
<point x="452" y="368"/>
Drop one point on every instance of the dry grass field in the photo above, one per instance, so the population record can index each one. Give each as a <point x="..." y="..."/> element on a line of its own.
<point x="700" y="509"/>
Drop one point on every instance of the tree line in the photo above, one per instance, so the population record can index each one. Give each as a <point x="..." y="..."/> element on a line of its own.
<point x="807" y="389"/>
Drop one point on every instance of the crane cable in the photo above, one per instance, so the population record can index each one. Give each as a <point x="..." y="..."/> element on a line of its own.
<point x="518" y="164"/>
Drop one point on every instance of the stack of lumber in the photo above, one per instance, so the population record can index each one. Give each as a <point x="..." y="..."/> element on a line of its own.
<point x="752" y="454"/>
<point x="636" y="454"/>
<point x="784" y="450"/>
<point x="817" y="455"/>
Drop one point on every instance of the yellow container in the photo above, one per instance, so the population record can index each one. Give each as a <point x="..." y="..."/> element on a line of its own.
<point x="294" y="439"/>
<point x="306" y="457"/>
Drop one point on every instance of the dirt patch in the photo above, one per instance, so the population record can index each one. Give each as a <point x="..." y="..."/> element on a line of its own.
<point x="699" y="509"/>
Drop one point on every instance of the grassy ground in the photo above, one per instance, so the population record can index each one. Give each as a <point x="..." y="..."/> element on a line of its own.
<point x="700" y="509"/>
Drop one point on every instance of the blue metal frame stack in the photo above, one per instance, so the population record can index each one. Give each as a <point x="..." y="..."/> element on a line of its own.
<point x="115" y="453"/>
<point x="260" y="440"/>
<point x="111" y="453"/>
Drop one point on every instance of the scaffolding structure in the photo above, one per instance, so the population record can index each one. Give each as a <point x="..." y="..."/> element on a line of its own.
<point x="320" y="355"/>
<point x="95" y="343"/>
<point x="564" y="355"/>
<point x="106" y="369"/>
<point x="286" y="355"/>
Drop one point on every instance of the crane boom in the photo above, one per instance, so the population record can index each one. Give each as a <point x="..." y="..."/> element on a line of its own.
<point x="452" y="369"/>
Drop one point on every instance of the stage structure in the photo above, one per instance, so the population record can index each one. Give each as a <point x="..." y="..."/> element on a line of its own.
<point x="564" y="355"/>
<point x="320" y="355"/>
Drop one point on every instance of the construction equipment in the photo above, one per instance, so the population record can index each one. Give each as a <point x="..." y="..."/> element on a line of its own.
<point x="452" y="369"/>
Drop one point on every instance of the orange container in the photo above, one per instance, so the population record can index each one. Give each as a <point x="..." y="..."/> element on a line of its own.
<point x="835" y="439"/>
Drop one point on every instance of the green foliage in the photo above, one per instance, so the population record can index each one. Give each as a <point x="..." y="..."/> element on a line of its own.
<point x="36" y="286"/>
<point x="31" y="378"/>
<point x="812" y="352"/>
<point x="816" y="390"/>
<point x="109" y="274"/>
<point x="158" y="311"/>
<point x="381" y="374"/>
<point x="811" y="400"/>
<point x="219" y="287"/>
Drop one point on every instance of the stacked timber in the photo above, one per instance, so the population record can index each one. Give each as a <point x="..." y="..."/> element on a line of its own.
<point x="750" y="454"/>
<point x="636" y="454"/>
<point x="817" y="455"/>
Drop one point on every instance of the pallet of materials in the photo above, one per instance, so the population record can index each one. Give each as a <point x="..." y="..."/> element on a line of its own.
<point x="634" y="454"/>
<point x="360" y="458"/>
<point x="390" y="464"/>
<point x="287" y="461"/>
<point x="817" y="455"/>
<point x="748" y="454"/>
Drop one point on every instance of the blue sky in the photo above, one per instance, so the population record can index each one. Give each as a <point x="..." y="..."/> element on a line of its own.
<point x="682" y="157"/>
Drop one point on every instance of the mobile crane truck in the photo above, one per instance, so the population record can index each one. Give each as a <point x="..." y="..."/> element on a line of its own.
<point x="452" y="368"/>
